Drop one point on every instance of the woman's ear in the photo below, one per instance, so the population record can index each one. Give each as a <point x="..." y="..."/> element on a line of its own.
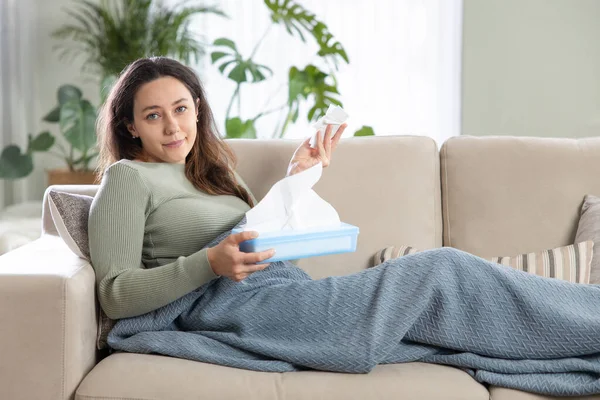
<point x="131" y="128"/>
<point x="197" y="107"/>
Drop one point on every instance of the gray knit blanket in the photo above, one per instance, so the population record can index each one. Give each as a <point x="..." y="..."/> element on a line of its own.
<point x="502" y="326"/>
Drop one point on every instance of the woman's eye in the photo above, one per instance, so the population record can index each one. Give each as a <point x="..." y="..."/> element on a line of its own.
<point x="152" y="116"/>
<point x="181" y="109"/>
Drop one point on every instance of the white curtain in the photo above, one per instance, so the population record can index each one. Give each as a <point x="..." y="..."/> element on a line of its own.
<point x="404" y="72"/>
<point x="17" y="114"/>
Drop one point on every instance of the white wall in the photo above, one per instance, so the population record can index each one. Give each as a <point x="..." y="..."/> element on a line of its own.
<point x="531" y="68"/>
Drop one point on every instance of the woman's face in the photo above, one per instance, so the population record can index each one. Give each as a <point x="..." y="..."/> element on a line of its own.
<point x="164" y="119"/>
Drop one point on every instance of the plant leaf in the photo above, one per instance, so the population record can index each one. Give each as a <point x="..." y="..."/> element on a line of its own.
<point x="225" y="42"/>
<point x="41" y="142"/>
<point x="108" y="35"/>
<point x="14" y="164"/>
<point x="312" y="82"/>
<point x="242" y="70"/>
<point x="53" y="116"/>
<point x="67" y="93"/>
<point x="364" y="131"/>
<point x="216" y="55"/>
<point x="297" y="19"/>
<point x="236" y="128"/>
<point x="78" y="124"/>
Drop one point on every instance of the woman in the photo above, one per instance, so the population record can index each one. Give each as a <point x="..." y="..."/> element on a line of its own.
<point x="159" y="145"/>
<point x="169" y="270"/>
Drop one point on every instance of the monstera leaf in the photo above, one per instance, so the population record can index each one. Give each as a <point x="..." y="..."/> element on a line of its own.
<point x="307" y="82"/>
<point x="236" y="128"/>
<point x="297" y="19"/>
<point x="78" y="123"/>
<point x="241" y="70"/>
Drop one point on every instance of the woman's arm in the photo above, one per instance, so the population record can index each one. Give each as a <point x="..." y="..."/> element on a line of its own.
<point x="116" y="234"/>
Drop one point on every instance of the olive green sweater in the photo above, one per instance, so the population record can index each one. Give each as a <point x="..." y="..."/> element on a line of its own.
<point x="147" y="226"/>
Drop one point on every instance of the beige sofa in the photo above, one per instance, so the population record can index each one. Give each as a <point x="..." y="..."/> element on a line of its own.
<point x="489" y="196"/>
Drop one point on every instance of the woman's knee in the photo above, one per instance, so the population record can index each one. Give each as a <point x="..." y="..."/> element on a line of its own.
<point x="450" y="252"/>
<point x="449" y="258"/>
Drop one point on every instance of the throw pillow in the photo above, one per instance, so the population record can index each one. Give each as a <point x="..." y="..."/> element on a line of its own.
<point x="589" y="229"/>
<point x="571" y="263"/>
<point x="70" y="215"/>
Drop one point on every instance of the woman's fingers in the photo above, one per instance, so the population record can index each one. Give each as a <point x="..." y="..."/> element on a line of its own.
<point x="243" y="236"/>
<point x="337" y="136"/>
<point x="254" y="258"/>
<point x="328" y="139"/>
<point x="322" y="152"/>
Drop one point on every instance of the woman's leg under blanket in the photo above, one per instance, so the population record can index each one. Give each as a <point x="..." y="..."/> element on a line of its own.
<point x="441" y="298"/>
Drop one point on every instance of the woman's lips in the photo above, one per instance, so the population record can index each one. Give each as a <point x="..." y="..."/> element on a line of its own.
<point x="174" y="144"/>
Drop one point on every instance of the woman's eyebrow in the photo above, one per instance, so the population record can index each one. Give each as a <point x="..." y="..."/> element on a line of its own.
<point x="175" y="102"/>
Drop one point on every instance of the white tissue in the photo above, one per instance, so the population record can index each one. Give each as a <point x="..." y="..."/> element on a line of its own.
<point x="292" y="204"/>
<point x="335" y="116"/>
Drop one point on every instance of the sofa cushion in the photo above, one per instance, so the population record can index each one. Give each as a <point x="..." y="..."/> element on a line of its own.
<point x="70" y="214"/>
<point x="571" y="263"/>
<point x="508" y="195"/>
<point x="48" y="227"/>
<point x="589" y="229"/>
<point x="141" y="377"/>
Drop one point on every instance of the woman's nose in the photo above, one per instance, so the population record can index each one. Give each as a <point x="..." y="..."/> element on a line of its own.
<point x="171" y="126"/>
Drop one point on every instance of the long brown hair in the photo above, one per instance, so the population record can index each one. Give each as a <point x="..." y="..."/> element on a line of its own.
<point x="210" y="163"/>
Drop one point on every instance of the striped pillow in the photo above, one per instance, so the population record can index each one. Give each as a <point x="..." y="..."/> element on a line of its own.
<point x="571" y="263"/>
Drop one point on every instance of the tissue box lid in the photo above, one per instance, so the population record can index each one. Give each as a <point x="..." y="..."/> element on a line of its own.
<point x="318" y="232"/>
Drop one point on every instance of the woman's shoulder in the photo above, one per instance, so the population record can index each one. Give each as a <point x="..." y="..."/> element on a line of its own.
<point x="125" y="166"/>
<point x="124" y="171"/>
<point x="150" y="174"/>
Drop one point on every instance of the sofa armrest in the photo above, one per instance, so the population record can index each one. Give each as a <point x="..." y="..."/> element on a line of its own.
<point x="48" y="323"/>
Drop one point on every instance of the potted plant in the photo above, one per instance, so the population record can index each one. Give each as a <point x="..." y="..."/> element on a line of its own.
<point x="109" y="35"/>
<point x="76" y="119"/>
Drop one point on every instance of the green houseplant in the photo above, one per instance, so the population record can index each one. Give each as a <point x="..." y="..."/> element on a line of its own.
<point x="76" y="119"/>
<point x="108" y="35"/>
<point x="111" y="34"/>
<point x="312" y="83"/>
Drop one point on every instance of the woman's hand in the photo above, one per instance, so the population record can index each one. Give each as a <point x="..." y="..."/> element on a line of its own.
<point x="226" y="259"/>
<point x="305" y="156"/>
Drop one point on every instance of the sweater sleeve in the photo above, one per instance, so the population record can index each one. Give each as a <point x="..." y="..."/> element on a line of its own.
<point x="116" y="238"/>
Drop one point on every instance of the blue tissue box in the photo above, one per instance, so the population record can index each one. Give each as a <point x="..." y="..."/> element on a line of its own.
<point x="303" y="243"/>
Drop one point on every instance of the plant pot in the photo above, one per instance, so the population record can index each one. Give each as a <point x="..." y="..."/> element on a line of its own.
<point x="66" y="177"/>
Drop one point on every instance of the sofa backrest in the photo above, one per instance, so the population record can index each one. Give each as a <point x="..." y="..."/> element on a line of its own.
<point x="513" y="195"/>
<point x="388" y="186"/>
